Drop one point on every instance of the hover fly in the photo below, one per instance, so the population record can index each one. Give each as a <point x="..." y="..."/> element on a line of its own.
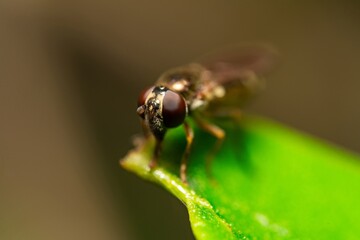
<point x="199" y="90"/>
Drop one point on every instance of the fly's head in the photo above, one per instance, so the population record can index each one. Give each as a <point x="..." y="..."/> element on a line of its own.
<point x="161" y="109"/>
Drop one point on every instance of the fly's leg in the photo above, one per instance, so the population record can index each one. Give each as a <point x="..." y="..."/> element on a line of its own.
<point x="234" y="114"/>
<point x="218" y="133"/>
<point x="189" y="139"/>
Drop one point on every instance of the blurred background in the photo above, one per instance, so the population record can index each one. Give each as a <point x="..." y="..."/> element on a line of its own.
<point x="70" y="75"/>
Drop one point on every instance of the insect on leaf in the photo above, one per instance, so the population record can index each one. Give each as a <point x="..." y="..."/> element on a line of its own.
<point x="266" y="182"/>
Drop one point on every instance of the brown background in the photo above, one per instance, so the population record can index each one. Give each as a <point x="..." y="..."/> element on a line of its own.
<point x="70" y="73"/>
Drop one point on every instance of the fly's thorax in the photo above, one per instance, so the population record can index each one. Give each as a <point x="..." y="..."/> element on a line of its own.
<point x="184" y="80"/>
<point x="195" y="83"/>
<point x="209" y="92"/>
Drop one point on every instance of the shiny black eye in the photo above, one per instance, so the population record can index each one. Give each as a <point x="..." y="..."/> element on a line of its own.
<point x="173" y="109"/>
<point x="141" y="101"/>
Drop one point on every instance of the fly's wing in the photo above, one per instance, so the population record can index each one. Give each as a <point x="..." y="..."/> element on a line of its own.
<point x="240" y="71"/>
<point x="236" y="63"/>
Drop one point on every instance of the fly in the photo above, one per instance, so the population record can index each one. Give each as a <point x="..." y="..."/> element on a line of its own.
<point x="199" y="90"/>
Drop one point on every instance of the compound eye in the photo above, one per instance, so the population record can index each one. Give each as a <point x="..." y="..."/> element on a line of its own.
<point x="173" y="109"/>
<point x="141" y="101"/>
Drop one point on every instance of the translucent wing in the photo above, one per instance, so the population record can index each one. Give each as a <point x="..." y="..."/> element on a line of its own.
<point x="238" y="62"/>
<point x="240" y="71"/>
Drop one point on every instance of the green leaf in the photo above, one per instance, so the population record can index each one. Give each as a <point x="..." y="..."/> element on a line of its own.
<point x="266" y="182"/>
